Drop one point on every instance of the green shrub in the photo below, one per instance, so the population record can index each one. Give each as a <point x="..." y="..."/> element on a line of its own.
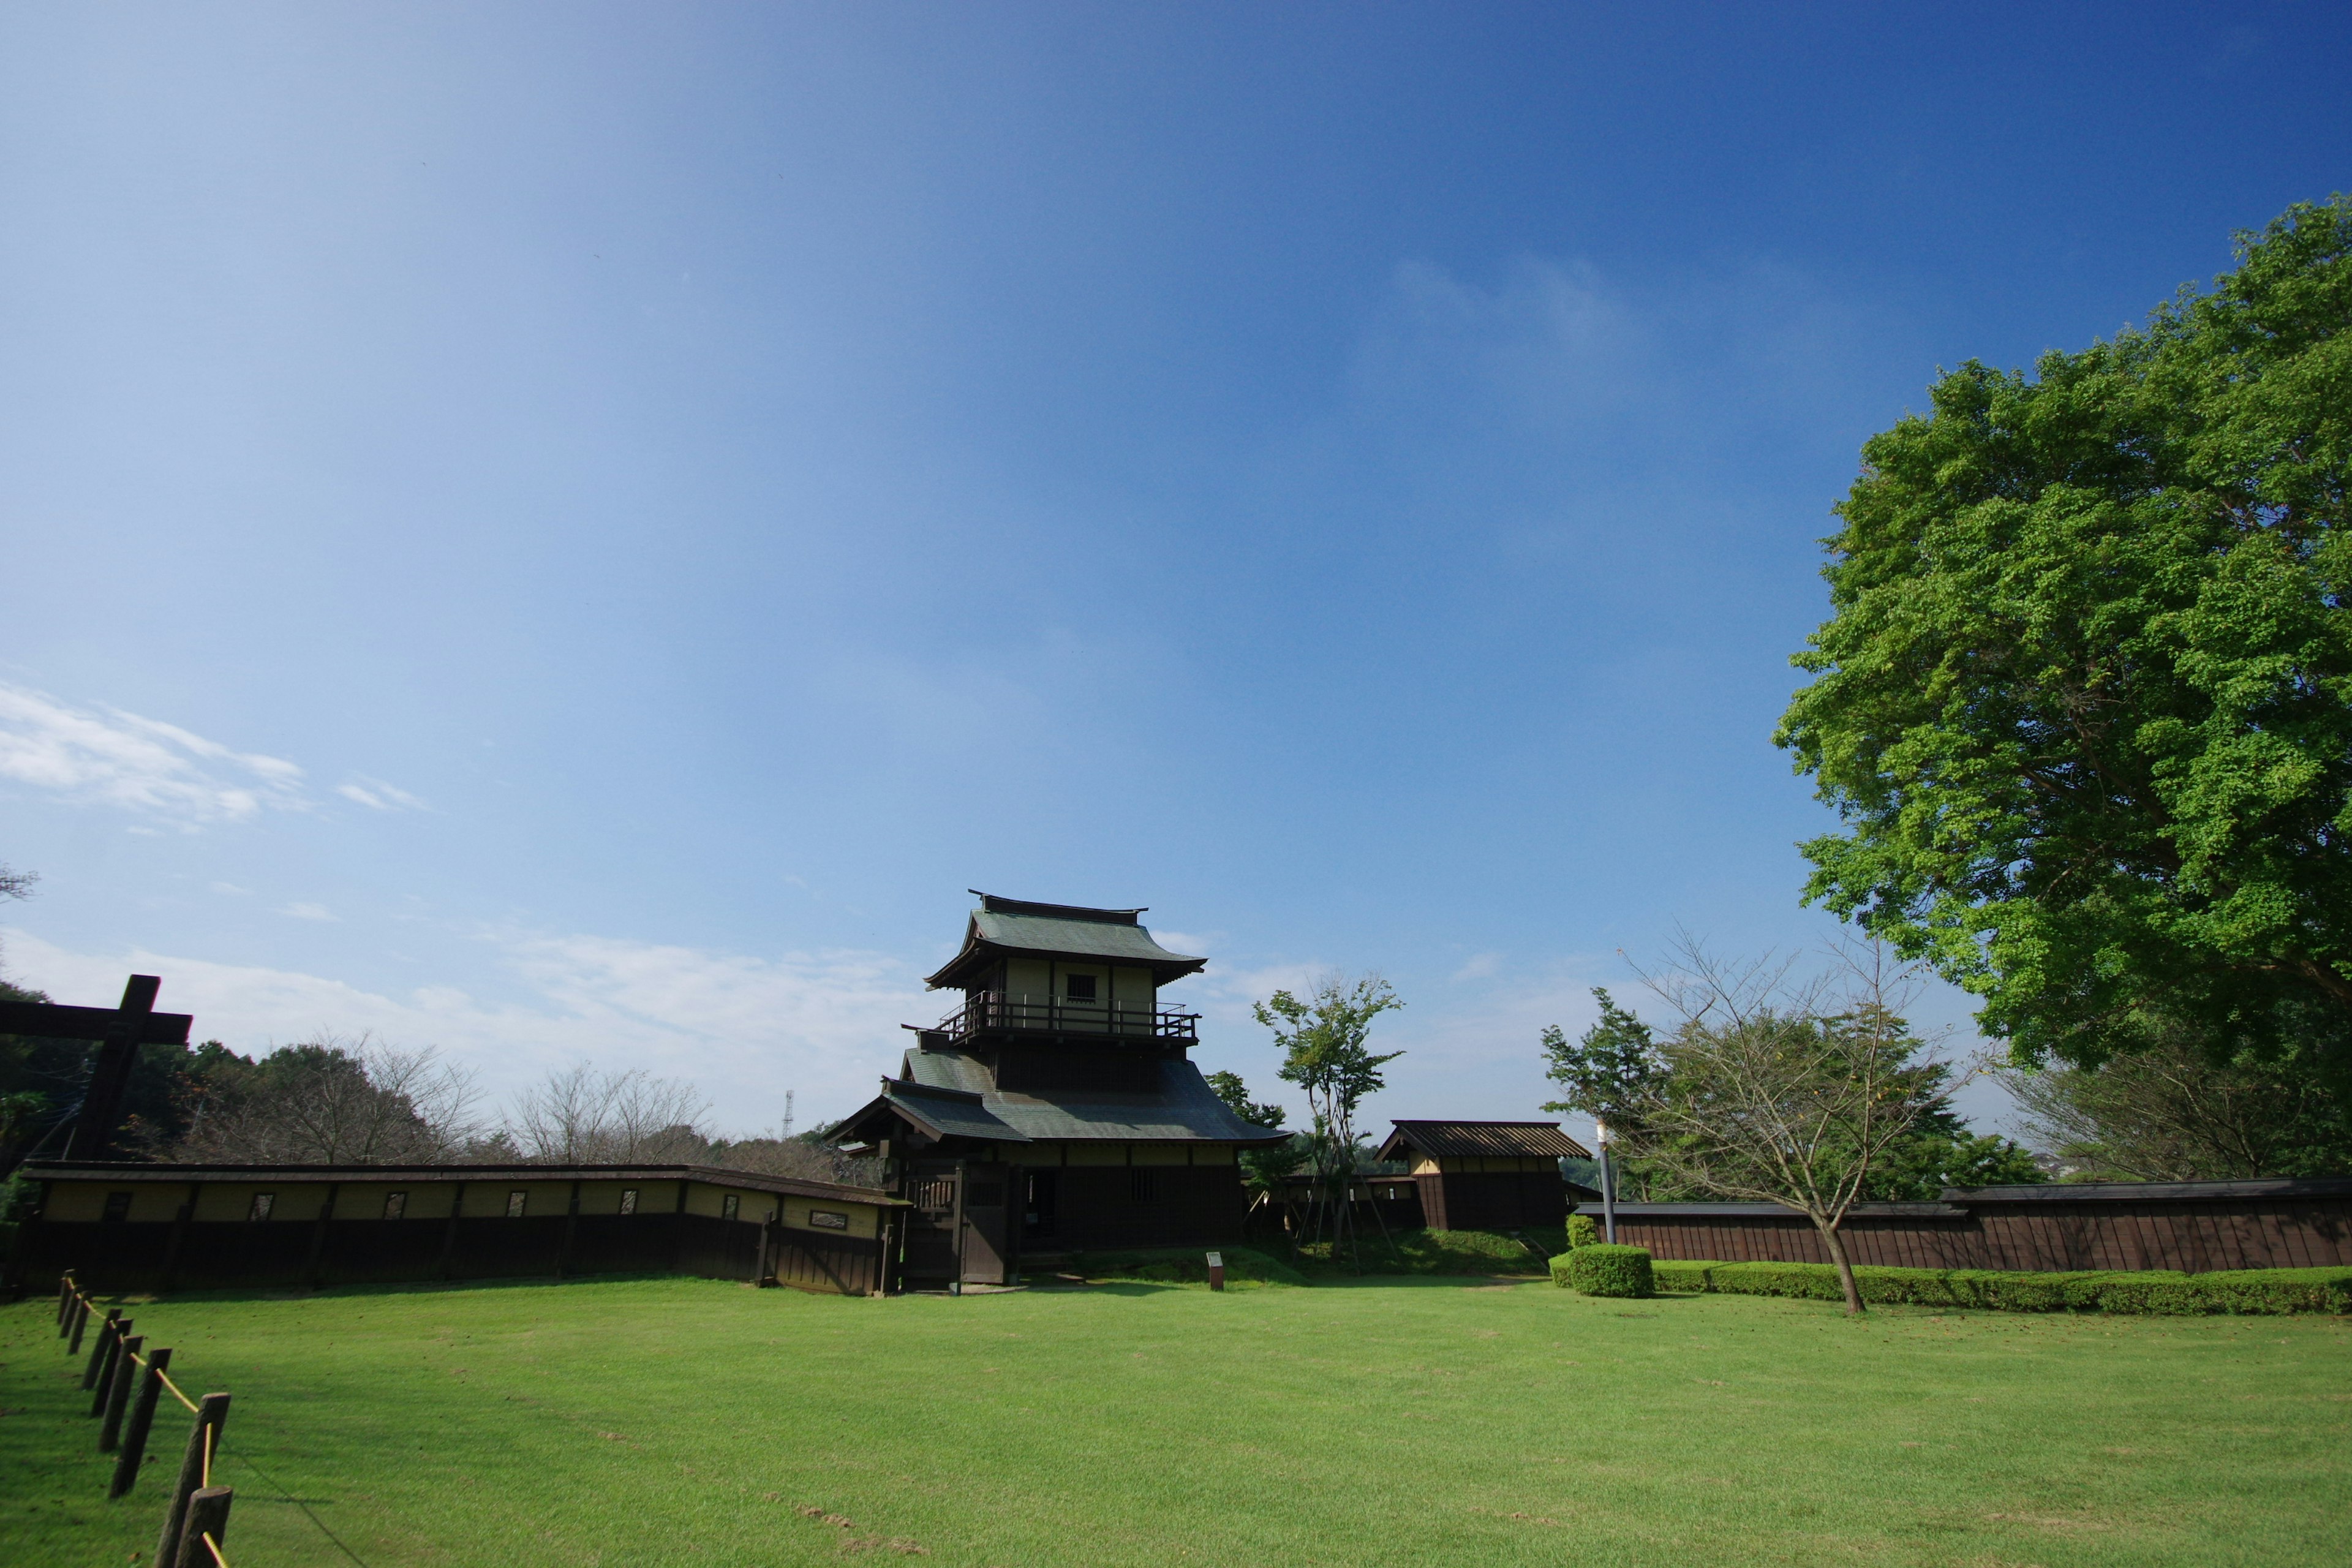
<point x="1431" y="1252"/>
<point x="2154" y="1290"/>
<point x="1583" y="1231"/>
<point x="1602" y="1270"/>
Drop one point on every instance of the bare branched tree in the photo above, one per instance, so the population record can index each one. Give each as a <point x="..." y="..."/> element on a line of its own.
<point x="1786" y="1092"/>
<point x="2172" y="1113"/>
<point x="580" y="1116"/>
<point x="335" y="1100"/>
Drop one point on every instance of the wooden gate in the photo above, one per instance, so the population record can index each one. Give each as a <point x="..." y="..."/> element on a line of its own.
<point x="934" y="1252"/>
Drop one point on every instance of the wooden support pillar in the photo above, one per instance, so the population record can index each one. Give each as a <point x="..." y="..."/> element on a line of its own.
<point x="571" y="1234"/>
<point x="311" y="1269"/>
<point x="177" y="1246"/>
<point x="450" y="1235"/>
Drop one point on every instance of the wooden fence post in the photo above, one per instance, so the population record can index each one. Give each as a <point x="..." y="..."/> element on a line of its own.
<point x="112" y="1350"/>
<point x="97" y="1351"/>
<point x="207" y="1515"/>
<point x="80" y="1321"/>
<point x="142" y="1418"/>
<point x="118" y="1393"/>
<point x="64" y="1301"/>
<point x="212" y="1414"/>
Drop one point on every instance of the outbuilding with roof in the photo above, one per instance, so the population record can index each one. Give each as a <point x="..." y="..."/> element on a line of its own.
<point x="1489" y="1175"/>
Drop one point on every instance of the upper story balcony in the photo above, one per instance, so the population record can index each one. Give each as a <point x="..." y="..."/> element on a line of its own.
<point x="987" y="1010"/>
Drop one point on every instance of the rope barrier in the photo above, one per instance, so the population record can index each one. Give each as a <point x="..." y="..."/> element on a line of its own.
<point x="165" y="1379"/>
<point x="211" y="1435"/>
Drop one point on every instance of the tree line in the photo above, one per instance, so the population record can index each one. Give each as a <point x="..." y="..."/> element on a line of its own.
<point x="361" y="1100"/>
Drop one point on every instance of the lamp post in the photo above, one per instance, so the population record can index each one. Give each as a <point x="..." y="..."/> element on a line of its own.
<point x="1608" y="1187"/>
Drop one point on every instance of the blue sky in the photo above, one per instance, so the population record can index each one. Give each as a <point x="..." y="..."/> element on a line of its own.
<point x="577" y="533"/>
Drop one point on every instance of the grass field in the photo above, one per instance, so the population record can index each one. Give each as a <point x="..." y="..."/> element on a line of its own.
<point x="1390" y="1422"/>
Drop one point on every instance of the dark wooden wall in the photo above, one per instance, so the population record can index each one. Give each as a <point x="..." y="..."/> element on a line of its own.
<point x="188" y="1255"/>
<point x="1096" y="1208"/>
<point x="1493" y="1200"/>
<point x="2193" y="1235"/>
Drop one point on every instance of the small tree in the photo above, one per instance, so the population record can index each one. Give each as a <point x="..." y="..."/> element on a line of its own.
<point x="1777" y="1094"/>
<point x="1324" y="1052"/>
<point x="580" y="1116"/>
<point x="1608" y="1072"/>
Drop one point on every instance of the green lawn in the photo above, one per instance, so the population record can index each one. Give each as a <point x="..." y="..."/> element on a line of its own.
<point x="1398" y="1421"/>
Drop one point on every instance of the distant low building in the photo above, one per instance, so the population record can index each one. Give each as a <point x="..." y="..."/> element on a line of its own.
<point x="1057" y="1107"/>
<point x="1489" y="1175"/>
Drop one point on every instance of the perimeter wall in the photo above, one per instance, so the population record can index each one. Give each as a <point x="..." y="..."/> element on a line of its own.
<point x="2193" y="1227"/>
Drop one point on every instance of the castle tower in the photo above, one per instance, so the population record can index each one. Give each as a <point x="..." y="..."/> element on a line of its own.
<point x="1057" y="1107"/>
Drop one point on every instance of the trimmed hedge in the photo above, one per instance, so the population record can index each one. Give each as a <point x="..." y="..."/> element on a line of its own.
<point x="2253" y="1290"/>
<point x="1582" y="1230"/>
<point x="1602" y="1270"/>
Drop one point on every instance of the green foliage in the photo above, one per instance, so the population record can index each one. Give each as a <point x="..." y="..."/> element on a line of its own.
<point x="1324" y="1052"/>
<point x="1229" y="1087"/>
<point x="1583" y="1230"/>
<point x="1605" y="1269"/>
<point x="2086" y="699"/>
<point x="1621" y="1072"/>
<point x="1609" y="1071"/>
<point x="1262" y="1168"/>
<point x="2253" y="1290"/>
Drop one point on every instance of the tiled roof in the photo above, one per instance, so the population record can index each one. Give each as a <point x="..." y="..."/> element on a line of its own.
<point x="1059" y="930"/>
<point x="1505" y="1139"/>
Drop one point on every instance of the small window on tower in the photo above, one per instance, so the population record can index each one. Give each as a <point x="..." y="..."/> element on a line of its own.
<point x="118" y="1206"/>
<point x="730" y="1207"/>
<point x="262" y="1204"/>
<point x="515" y="1203"/>
<point x="1082" y="987"/>
<point x="395" y="1204"/>
<point x="628" y="1200"/>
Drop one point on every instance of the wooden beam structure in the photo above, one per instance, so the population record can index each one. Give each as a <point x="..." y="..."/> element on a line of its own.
<point x="120" y="1032"/>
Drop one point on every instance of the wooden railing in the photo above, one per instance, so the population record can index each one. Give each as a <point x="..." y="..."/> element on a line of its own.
<point x="1010" y="1010"/>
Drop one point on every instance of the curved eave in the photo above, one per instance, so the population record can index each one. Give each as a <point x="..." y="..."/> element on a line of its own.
<point x="980" y="954"/>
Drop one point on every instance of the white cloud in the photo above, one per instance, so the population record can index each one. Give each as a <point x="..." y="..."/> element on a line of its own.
<point x="109" y="757"/>
<point x="743" y="1029"/>
<point x="378" y="794"/>
<point x="309" y="912"/>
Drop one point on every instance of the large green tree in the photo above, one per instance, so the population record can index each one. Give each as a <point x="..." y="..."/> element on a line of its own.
<point x="2085" y="703"/>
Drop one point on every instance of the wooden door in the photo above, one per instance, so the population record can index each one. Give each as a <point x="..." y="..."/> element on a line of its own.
<point x="987" y="1204"/>
<point x="935" y="1189"/>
